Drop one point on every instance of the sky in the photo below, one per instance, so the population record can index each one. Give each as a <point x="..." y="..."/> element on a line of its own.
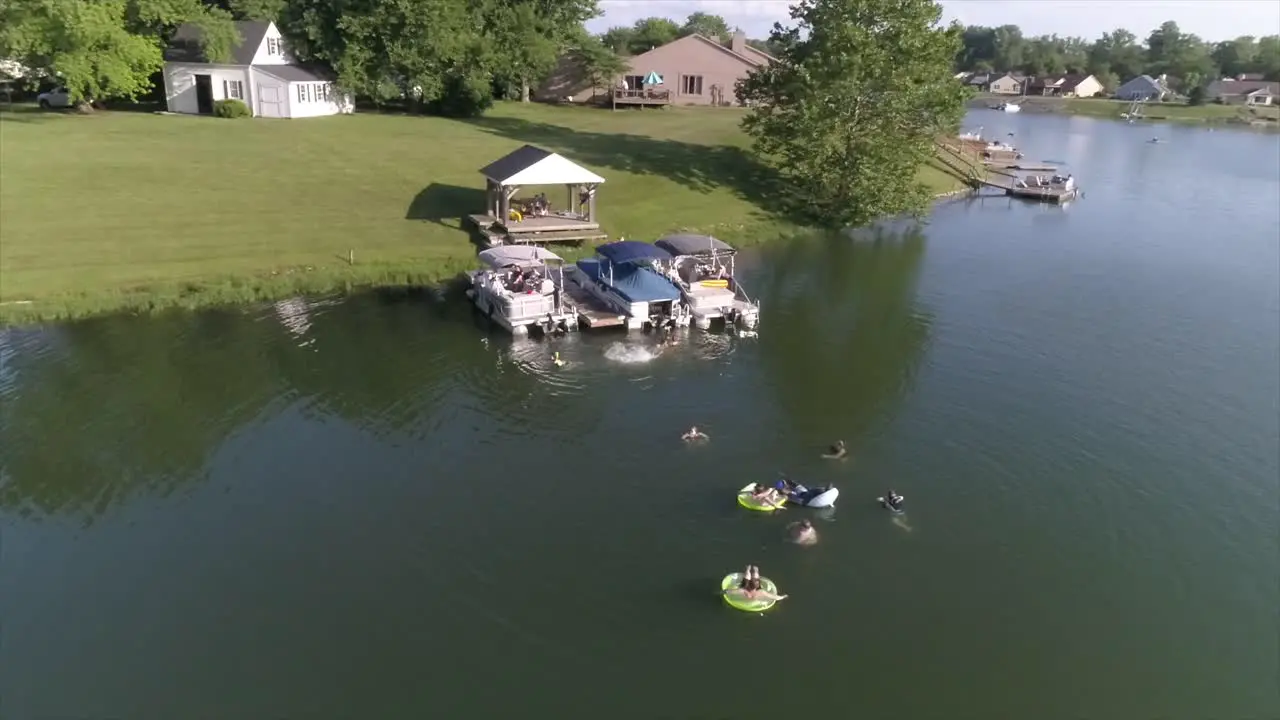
<point x="1210" y="19"/>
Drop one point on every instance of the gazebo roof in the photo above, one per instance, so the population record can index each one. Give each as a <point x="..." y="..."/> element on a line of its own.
<point x="534" y="166"/>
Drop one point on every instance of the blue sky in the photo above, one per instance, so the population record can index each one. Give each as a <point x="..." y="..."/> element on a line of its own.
<point x="1210" y="19"/>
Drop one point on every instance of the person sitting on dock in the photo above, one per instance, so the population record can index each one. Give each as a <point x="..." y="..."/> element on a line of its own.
<point x="837" y="451"/>
<point x="694" y="435"/>
<point x="802" y="532"/>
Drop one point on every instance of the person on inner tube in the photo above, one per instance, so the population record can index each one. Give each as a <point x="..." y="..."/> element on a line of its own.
<point x="766" y="494"/>
<point x="750" y="588"/>
<point x="786" y="486"/>
<point x="894" y="500"/>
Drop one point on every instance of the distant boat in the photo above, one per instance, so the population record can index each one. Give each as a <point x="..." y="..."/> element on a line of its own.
<point x="1009" y="107"/>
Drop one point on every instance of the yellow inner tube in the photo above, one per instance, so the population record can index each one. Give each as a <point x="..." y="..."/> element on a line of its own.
<point x="733" y="596"/>
<point x="714" y="283"/>
<point x="515" y="215"/>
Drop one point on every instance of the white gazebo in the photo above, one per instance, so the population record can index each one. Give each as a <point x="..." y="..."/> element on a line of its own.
<point x="530" y="166"/>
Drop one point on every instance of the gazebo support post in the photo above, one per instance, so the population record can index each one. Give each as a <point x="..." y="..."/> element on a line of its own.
<point x="504" y="211"/>
<point x="591" y="203"/>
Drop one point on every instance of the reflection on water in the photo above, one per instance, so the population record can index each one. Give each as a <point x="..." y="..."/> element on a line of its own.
<point x="844" y="339"/>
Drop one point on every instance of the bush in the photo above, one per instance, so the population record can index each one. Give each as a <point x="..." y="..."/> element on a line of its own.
<point x="231" y="108"/>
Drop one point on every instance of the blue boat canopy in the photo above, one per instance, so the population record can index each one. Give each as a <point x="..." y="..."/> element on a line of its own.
<point x="632" y="282"/>
<point x="629" y="251"/>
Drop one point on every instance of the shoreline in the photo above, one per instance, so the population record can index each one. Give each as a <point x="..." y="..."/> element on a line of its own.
<point x="1209" y="114"/>
<point x="440" y="278"/>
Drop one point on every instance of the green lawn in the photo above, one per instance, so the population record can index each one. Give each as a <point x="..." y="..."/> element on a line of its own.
<point x="134" y="210"/>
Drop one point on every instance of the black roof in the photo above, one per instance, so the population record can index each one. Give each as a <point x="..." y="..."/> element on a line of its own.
<point x="689" y="244"/>
<point x="295" y="73"/>
<point x="185" y="44"/>
<point x="508" y="165"/>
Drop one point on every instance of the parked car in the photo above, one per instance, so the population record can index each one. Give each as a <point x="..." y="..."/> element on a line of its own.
<point x="55" y="98"/>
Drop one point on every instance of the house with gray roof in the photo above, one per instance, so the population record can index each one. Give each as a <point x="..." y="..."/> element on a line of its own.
<point x="261" y="73"/>
<point x="1244" y="90"/>
<point x="1143" y="88"/>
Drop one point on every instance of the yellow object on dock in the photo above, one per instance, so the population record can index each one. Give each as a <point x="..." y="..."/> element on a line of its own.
<point x="714" y="283"/>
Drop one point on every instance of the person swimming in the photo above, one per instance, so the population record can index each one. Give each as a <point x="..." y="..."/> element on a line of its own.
<point x="694" y="434"/>
<point x="558" y="361"/>
<point x="837" y="451"/>
<point x="803" y="532"/>
<point x="893" y="500"/>
<point x="750" y="588"/>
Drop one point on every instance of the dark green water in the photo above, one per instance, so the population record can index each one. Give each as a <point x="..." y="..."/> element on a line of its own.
<point x="371" y="509"/>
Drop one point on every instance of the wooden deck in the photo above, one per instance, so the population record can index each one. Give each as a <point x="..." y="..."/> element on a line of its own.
<point x="591" y="310"/>
<point x="999" y="165"/>
<point x="536" y="230"/>
<point x="640" y="98"/>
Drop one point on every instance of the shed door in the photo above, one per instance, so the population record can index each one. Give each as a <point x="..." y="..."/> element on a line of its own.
<point x="269" y="101"/>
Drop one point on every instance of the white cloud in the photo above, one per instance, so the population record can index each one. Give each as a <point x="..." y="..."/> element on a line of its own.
<point x="1216" y="20"/>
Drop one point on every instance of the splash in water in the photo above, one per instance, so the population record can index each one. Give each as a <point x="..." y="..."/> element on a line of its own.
<point x="630" y="354"/>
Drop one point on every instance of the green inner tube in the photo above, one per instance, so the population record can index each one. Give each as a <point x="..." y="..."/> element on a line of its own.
<point x="750" y="503"/>
<point x="733" y="595"/>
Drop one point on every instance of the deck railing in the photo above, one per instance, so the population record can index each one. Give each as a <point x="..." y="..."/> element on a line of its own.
<point x="645" y="95"/>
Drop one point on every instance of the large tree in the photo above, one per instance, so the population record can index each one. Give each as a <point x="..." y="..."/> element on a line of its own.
<point x="850" y="110"/>
<point x="706" y="25"/>
<point x="442" y="54"/>
<point x="102" y="49"/>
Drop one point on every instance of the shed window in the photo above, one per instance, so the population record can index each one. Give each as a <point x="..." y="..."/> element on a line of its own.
<point x="302" y="92"/>
<point x="273" y="46"/>
<point x="691" y="84"/>
<point x="233" y="89"/>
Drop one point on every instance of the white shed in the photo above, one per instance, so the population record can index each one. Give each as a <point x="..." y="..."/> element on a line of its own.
<point x="261" y="73"/>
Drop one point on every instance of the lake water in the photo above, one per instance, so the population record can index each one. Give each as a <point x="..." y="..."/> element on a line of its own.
<point x="373" y="508"/>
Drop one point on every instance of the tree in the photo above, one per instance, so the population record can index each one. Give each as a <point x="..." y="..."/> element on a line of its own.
<point x="1117" y="52"/>
<point x="599" y="62"/>
<point x="1197" y="94"/>
<point x="102" y="49"/>
<point x="850" y="110"/>
<point x="443" y="55"/>
<point x="257" y="9"/>
<point x="652" y="32"/>
<point x="618" y="39"/>
<point x="706" y="25"/>
<point x="1237" y="56"/>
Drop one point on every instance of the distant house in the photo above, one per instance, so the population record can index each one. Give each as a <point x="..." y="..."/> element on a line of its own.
<point x="1244" y="90"/>
<point x="693" y="70"/>
<point x="978" y="80"/>
<point x="1072" y="85"/>
<point x="1144" y="87"/>
<point x="261" y="73"/>
<point x="1007" y="84"/>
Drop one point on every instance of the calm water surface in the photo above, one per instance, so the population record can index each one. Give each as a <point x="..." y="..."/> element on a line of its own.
<point x="375" y="509"/>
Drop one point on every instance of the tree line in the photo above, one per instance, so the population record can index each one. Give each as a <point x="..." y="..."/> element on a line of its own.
<point x="1117" y="56"/>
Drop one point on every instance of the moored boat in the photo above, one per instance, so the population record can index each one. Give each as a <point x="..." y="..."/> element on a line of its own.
<point x="702" y="267"/>
<point x="625" y="276"/>
<point x="520" y="288"/>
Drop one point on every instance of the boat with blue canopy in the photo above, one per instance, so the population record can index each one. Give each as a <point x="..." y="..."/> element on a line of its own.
<point x="629" y="277"/>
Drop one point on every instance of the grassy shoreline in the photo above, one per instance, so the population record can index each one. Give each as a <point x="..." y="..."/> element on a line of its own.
<point x="125" y="211"/>
<point x="1208" y="114"/>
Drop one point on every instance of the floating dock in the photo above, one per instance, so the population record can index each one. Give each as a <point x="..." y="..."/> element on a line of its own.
<point x="997" y="165"/>
<point x="1053" y="193"/>
<point x="591" y="310"/>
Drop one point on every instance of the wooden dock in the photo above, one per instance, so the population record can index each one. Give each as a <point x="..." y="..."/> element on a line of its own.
<point x="1053" y="194"/>
<point x="535" y="231"/>
<point x="591" y="310"/>
<point x="998" y="165"/>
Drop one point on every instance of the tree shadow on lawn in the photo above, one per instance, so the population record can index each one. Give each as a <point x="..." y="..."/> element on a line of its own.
<point x="701" y="168"/>
<point x="24" y="113"/>
<point x="439" y="202"/>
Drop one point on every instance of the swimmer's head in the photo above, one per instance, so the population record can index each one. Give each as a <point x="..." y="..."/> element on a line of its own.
<point x="806" y="524"/>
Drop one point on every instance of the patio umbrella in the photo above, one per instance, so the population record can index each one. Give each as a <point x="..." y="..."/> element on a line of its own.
<point x="653" y="78"/>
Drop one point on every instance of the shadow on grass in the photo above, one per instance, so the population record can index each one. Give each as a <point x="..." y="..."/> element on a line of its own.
<point x="439" y="202"/>
<point x="701" y="168"/>
<point x="24" y="113"/>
